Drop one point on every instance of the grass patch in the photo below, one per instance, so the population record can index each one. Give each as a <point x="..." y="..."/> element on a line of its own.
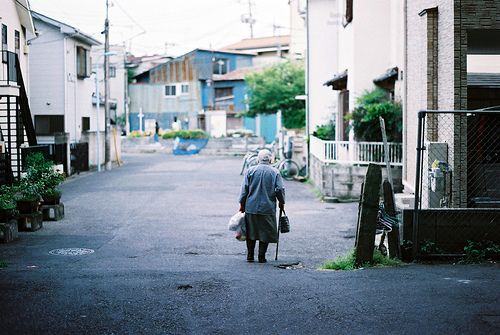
<point x="348" y="262"/>
<point x="3" y="264"/>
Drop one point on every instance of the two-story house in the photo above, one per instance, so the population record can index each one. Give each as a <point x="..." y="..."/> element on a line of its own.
<point x="16" y="126"/>
<point x="187" y="88"/>
<point x="61" y="86"/>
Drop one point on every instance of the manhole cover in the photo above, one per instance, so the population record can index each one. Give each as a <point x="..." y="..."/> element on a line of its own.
<point x="290" y="266"/>
<point x="71" y="251"/>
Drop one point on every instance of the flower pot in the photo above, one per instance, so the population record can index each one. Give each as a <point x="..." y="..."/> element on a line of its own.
<point x="27" y="206"/>
<point x="51" y="199"/>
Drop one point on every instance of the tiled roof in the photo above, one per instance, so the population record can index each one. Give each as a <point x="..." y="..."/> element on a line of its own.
<point x="260" y="43"/>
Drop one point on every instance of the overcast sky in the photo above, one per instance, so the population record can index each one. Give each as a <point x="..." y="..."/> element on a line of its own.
<point x="187" y="24"/>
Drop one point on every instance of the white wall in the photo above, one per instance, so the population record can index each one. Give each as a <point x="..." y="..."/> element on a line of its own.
<point x="47" y="72"/>
<point x="55" y="87"/>
<point x="323" y="60"/>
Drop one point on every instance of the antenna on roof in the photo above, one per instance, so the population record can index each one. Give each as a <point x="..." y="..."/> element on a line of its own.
<point x="248" y="18"/>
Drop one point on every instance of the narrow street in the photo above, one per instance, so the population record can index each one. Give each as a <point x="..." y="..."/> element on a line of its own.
<point x="165" y="263"/>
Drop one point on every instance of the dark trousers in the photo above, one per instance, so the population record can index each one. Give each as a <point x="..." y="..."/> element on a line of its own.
<point x="262" y="248"/>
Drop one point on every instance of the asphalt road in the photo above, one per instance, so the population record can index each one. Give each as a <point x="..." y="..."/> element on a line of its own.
<point x="164" y="263"/>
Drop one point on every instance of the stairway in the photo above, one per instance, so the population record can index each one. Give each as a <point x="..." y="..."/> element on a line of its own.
<point x="14" y="134"/>
<point x="16" y="126"/>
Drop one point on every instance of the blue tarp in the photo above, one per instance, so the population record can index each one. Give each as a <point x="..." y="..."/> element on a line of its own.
<point x="189" y="146"/>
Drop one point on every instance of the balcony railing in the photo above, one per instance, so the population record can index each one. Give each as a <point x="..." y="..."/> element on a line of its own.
<point x="355" y="152"/>
<point x="8" y="73"/>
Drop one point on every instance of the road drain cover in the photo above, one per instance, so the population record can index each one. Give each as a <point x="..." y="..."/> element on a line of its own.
<point x="71" y="251"/>
<point x="290" y="266"/>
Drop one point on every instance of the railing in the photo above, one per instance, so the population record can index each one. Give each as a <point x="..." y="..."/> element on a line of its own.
<point x="8" y="73"/>
<point x="355" y="152"/>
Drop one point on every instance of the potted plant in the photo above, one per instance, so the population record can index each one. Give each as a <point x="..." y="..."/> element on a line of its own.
<point x="187" y="142"/>
<point x="51" y="196"/>
<point x="40" y="170"/>
<point x="28" y="196"/>
<point x="7" y="203"/>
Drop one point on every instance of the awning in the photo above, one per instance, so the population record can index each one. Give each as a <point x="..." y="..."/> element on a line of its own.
<point x="387" y="79"/>
<point x="338" y="82"/>
<point x="483" y="80"/>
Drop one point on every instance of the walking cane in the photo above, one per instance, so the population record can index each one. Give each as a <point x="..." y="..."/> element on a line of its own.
<point x="278" y="243"/>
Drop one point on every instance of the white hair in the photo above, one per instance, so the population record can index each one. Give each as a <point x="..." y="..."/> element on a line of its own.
<point x="264" y="156"/>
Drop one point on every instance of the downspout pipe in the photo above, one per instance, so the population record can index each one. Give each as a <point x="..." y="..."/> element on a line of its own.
<point x="307" y="87"/>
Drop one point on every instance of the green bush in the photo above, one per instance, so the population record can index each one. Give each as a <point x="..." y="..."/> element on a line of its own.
<point x="28" y="191"/>
<point x="325" y="132"/>
<point x="348" y="261"/>
<point x="365" y="117"/>
<point x="185" y="134"/>
<point x="7" y="199"/>
<point x="478" y="252"/>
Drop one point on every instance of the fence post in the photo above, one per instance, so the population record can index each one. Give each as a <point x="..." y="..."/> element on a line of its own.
<point x="420" y="148"/>
<point x="367" y="218"/>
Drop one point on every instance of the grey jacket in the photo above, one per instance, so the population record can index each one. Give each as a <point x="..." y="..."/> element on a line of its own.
<point x="260" y="188"/>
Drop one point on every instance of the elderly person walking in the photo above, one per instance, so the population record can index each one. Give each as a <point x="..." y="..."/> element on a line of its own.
<point x="260" y="188"/>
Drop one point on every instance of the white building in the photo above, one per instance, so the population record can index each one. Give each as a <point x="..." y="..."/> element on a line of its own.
<point x="61" y="84"/>
<point x="118" y="81"/>
<point x="16" y="30"/>
<point x="354" y="46"/>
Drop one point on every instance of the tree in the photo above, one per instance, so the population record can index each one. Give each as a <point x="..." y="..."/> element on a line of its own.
<point x="275" y="89"/>
<point x="365" y="117"/>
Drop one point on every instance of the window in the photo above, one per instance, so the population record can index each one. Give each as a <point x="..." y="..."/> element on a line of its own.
<point x="85" y="123"/>
<point x="112" y="72"/>
<point x="49" y="124"/>
<point x="4" y="42"/>
<point x="184" y="88"/>
<point x="170" y="90"/>
<point x="17" y="42"/>
<point x="348" y="11"/>
<point x="82" y="62"/>
<point x="220" y="65"/>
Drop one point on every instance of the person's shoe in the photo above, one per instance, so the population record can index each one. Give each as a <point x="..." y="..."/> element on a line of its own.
<point x="250" y="259"/>
<point x="262" y="260"/>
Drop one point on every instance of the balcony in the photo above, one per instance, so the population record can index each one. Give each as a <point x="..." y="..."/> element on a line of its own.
<point x="8" y="75"/>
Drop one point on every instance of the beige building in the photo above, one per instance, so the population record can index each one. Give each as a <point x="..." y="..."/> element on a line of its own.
<point x="267" y="50"/>
<point x="452" y="63"/>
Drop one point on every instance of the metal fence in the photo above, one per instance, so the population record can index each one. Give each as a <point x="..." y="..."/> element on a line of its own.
<point x="355" y="152"/>
<point x="457" y="184"/>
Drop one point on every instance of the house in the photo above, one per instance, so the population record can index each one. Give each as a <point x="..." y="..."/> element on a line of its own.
<point x="357" y="29"/>
<point x="353" y="47"/>
<point x="298" y="38"/>
<point x="118" y="82"/>
<point x="61" y="86"/>
<point x="16" y="127"/>
<point x="188" y="89"/>
<point x="453" y="64"/>
<point x="267" y="50"/>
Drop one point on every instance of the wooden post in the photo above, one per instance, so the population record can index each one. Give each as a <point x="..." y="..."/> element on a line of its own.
<point x="393" y="236"/>
<point x="367" y="219"/>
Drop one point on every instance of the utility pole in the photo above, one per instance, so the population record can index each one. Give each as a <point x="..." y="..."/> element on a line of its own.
<point x="107" y="137"/>
<point x="248" y="18"/>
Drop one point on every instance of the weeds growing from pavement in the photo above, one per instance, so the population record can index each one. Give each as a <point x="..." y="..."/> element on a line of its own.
<point x="348" y="262"/>
<point x="3" y="264"/>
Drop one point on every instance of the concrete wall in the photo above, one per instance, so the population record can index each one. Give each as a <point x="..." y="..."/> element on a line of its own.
<point x="115" y="145"/>
<point x="343" y="181"/>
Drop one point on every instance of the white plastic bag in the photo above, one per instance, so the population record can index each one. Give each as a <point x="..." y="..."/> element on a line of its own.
<point x="237" y="224"/>
<point x="236" y="221"/>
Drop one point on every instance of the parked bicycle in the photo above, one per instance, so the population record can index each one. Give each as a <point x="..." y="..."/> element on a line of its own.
<point x="289" y="169"/>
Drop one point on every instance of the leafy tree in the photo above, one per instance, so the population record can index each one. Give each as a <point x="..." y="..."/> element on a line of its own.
<point x="275" y="89"/>
<point x="325" y="132"/>
<point x="365" y="117"/>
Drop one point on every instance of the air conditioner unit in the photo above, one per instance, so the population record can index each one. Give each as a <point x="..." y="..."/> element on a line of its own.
<point x="26" y="49"/>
